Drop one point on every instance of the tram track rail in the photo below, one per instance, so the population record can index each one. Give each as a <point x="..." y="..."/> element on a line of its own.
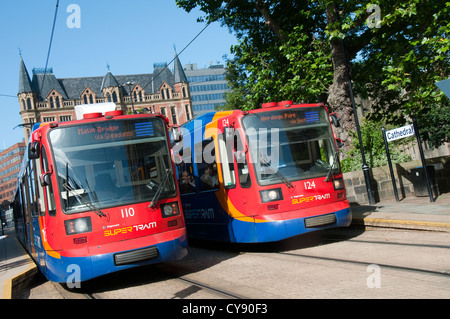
<point x="337" y="238"/>
<point x="193" y="286"/>
<point x="215" y="290"/>
<point x="365" y="263"/>
<point x="212" y="271"/>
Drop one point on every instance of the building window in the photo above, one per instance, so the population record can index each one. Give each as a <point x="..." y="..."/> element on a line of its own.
<point x="188" y="112"/>
<point x="49" y="119"/>
<point x="173" y="110"/>
<point x="163" y="111"/>
<point x="65" y="118"/>
<point x="114" y="95"/>
<point x="88" y="97"/>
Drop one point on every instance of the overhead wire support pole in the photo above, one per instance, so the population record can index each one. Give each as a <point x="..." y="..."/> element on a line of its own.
<point x="365" y="167"/>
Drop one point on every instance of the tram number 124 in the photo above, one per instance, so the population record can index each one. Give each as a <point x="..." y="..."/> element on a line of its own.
<point x="309" y="185"/>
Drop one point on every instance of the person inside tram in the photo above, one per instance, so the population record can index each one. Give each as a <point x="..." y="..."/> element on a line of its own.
<point x="209" y="178"/>
<point x="187" y="184"/>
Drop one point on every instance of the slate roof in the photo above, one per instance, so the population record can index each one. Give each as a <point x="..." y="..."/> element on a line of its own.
<point x="178" y="71"/>
<point x="72" y="88"/>
<point x="109" y="81"/>
<point x="24" y="79"/>
<point x="43" y="84"/>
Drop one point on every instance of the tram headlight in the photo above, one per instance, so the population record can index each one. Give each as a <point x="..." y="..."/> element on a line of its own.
<point x="78" y="226"/>
<point x="338" y="183"/>
<point x="170" y="209"/>
<point x="270" y="195"/>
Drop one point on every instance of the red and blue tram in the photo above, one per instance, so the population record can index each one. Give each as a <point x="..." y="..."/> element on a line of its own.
<point x="98" y="195"/>
<point x="261" y="175"/>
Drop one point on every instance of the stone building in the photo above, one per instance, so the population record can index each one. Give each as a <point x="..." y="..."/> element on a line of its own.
<point x="46" y="98"/>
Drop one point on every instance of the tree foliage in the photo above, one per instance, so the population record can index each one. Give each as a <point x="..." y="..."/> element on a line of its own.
<point x="294" y="50"/>
<point x="374" y="149"/>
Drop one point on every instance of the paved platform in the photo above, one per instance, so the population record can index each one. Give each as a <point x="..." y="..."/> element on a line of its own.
<point x="417" y="213"/>
<point x="16" y="266"/>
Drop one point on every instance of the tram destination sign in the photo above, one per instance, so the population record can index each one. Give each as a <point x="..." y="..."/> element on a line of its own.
<point x="400" y="132"/>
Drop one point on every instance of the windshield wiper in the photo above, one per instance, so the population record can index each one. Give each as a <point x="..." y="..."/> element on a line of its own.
<point x="80" y="199"/>
<point x="94" y="195"/>
<point x="265" y="162"/>
<point x="159" y="191"/>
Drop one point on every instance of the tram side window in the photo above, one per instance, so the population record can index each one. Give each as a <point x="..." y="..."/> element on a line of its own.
<point x="227" y="163"/>
<point x="39" y="188"/>
<point x="186" y="178"/>
<point x="48" y="188"/>
<point x="207" y="167"/>
<point x="17" y="212"/>
<point x="25" y="202"/>
<point x="32" y="188"/>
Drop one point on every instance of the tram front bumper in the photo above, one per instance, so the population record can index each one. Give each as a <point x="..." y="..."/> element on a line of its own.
<point x="94" y="261"/>
<point x="285" y="225"/>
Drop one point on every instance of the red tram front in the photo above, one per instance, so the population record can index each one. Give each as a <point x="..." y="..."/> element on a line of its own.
<point x="99" y="195"/>
<point x="261" y="175"/>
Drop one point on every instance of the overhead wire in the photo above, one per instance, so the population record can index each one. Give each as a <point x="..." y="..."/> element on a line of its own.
<point x="50" y="44"/>
<point x="186" y="46"/>
<point x="51" y="41"/>
<point x="190" y="42"/>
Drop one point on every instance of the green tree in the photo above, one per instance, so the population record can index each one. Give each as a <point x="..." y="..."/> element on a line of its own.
<point x="294" y="50"/>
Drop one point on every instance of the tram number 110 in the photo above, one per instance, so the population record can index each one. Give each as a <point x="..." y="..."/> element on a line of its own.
<point x="127" y="212"/>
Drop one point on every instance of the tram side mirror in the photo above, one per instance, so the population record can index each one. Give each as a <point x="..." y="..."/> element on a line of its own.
<point x="33" y="150"/>
<point x="228" y="133"/>
<point x="335" y="119"/>
<point x="339" y="143"/>
<point x="176" y="134"/>
<point x="45" y="179"/>
<point x="177" y="159"/>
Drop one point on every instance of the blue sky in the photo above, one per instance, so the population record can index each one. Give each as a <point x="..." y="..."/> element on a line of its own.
<point x="128" y="35"/>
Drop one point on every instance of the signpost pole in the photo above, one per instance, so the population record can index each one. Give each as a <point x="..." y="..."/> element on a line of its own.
<point x="422" y="157"/>
<point x="394" y="184"/>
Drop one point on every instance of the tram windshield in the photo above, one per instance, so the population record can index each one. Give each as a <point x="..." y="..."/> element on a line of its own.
<point x="289" y="145"/>
<point x="106" y="164"/>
